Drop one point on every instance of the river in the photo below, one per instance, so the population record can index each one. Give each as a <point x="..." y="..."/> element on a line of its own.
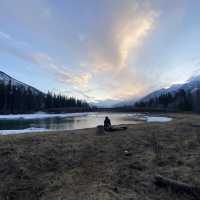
<point x="39" y="122"/>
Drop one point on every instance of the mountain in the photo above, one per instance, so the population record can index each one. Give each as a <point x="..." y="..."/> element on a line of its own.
<point x="18" y="98"/>
<point x="112" y="103"/>
<point x="125" y="103"/>
<point x="6" y="79"/>
<point x="173" y="89"/>
<point x="192" y="84"/>
<point x="107" y="103"/>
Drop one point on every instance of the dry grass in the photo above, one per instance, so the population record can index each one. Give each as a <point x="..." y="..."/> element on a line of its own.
<point x="86" y="166"/>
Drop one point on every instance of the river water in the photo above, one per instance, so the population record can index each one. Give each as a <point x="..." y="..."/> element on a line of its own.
<point x="13" y="124"/>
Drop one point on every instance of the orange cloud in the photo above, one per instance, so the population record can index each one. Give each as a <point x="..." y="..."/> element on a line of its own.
<point x="130" y="35"/>
<point x="109" y="60"/>
<point x="62" y="74"/>
<point x="111" y="50"/>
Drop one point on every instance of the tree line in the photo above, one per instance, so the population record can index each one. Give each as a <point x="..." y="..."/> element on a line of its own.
<point x="17" y="99"/>
<point x="180" y="101"/>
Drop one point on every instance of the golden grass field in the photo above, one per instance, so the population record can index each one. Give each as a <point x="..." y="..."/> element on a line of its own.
<point x="83" y="165"/>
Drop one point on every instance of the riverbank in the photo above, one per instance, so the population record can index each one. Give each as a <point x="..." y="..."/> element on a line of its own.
<point x="81" y="164"/>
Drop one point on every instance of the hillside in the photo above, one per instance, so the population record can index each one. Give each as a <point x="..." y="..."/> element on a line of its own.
<point x="17" y="97"/>
<point x="182" y="97"/>
<point x="173" y="89"/>
<point x="191" y="85"/>
<point x="6" y="79"/>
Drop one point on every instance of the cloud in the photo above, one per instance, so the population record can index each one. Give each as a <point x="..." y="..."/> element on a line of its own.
<point x="5" y="36"/>
<point x="130" y="34"/>
<point x="62" y="74"/>
<point x="105" y="41"/>
<point x="110" y="48"/>
<point x="48" y="64"/>
<point x="112" y="45"/>
<point x="81" y="81"/>
<point x="10" y="41"/>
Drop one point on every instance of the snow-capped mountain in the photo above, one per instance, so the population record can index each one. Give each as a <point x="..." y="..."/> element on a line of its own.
<point x="190" y="85"/>
<point x="6" y="79"/>
<point x="173" y="89"/>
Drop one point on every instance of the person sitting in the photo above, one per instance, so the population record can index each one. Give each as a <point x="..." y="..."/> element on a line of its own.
<point x="107" y="124"/>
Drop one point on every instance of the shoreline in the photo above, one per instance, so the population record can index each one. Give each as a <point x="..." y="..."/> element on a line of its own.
<point x="62" y="131"/>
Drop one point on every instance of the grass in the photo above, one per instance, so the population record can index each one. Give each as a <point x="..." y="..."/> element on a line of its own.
<point x="81" y="164"/>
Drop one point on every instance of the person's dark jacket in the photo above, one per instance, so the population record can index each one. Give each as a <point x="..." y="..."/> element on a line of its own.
<point x="107" y="124"/>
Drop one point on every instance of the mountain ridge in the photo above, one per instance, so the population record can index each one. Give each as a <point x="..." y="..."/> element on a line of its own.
<point x="193" y="83"/>
<point x="5" y="78"/>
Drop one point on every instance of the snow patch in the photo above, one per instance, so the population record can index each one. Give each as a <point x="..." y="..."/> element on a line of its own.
<point x="158" y="119"/>
<point x="27" y="130"/>
<point x="40" y="116"/>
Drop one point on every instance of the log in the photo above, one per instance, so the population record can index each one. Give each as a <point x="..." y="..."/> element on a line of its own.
<point x="195" y="125"/>
<point x="112" y="129"/>
<point x="177" y="186"/>
<point x="100" y="130"/>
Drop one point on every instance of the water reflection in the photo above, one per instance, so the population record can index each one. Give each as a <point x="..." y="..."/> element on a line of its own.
<point x="62" y="122"/>
<point x="67" y="123"/>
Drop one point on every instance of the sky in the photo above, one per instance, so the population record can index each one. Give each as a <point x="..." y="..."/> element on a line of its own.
<point x="100" y="49"/>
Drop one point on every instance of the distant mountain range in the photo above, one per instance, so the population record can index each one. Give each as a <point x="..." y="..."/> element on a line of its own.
<point x="110" y="103"/>
<point x="107" y="103"/>
<point x="6" y="79"/>
<point x="191" y="85"/>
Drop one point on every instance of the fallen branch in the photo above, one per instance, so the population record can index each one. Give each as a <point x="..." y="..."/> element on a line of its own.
<point x="195" y="125"/>
<point x="177" y="186"/>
